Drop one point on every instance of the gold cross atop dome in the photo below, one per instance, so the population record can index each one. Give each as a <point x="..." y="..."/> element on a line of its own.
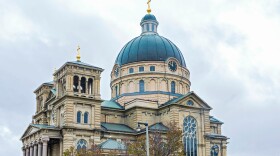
<point x="78" y="55"/>
<point x="149" y="7"/>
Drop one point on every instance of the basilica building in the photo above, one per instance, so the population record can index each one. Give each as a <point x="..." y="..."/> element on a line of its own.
<point x="150" y="83"/>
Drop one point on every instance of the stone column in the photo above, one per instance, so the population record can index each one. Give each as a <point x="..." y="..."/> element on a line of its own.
<point x="79" y="85"/>
<point x="27" y="151"/>
<point x="60" y="147"/>
<point x="35" y="150"/>
<point x="31" y="150"/>
<point x="49" y="151"/>
<point x="98" y="87"/>
<point x="45" y="146"/>
<point x="39" y="149"/>
<point x="95" y="87"/>
<point x="23" y="151"/>
<point x="86" y="87"/>
<point x="92" y="86"/>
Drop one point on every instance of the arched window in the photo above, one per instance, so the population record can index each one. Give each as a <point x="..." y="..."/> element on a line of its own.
<point x="131" y="70"/>
<point x="131" y="87"/>
<point x="75" y="84"/>
<point x="173" y="87"/>
<point x="190" y="138"/>
<point x="83" y="85"/>
<point x="215" y="150"/>
<point x="86" y="117"/>
<point x="81" y="144"/>
<point x="141" y="86"/>
<point x="79" y="114"/>
<point x="116" y="91"/>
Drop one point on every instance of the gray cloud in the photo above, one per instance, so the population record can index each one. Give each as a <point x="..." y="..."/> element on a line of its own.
<point x="220" y="53"/>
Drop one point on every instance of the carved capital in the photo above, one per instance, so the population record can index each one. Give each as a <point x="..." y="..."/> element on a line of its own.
<point x="45" y="139"/>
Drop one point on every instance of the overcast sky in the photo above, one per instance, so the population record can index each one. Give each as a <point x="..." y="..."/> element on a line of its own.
<point x="231" y="48"/>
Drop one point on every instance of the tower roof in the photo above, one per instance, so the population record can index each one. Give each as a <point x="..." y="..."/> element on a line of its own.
<point x="149" y="17"/>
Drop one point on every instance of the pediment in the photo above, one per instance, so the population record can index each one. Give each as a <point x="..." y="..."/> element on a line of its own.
<point x="191" y="100"/>
<point x="30" y="130"/>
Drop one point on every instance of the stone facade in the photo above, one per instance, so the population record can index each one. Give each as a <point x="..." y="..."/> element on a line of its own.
<point x="71" y="113"/>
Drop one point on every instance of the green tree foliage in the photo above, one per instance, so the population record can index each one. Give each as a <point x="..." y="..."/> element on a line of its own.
<point x="161" y="143"/>
<point x="138" y="147"/>
<point x="94" y="151"/>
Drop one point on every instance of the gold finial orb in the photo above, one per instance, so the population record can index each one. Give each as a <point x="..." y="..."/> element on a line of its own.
<point x="78" y="55"/>
<point x="149" y="10"/>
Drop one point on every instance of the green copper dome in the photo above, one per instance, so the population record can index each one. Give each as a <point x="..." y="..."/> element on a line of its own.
<point x="149" y="17"/>
<point x="149" y="46"/>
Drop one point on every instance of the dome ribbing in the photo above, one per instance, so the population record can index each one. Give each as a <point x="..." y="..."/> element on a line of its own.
<point x="149" y="46"/>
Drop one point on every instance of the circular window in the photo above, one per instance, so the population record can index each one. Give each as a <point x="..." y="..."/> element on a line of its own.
<point x="190" y="103"/>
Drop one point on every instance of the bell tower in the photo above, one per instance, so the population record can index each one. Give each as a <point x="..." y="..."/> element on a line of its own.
<point x="77" y="78"/>
<point x="77" y="100"/>
<point x="77" y="97"/>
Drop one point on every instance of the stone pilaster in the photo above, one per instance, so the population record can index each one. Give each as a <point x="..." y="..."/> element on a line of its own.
<point x="69" y="114"/>
<point x="68" y="139"/>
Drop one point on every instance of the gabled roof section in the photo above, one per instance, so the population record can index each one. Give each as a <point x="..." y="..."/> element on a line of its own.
<point x="43" y="126"/>
<point x="50" y="84"/>
<point x="84" y="64"/>
<point x="158" y="127"/>
<point x="111" y="105"/>
<point x="112" y="145"/>
<point x="81" y="64"/>
<point x="32" y="128"/>
<point x="216" y="136"/>
<point x="175" y="100"/>
<point x="215" y="120"/>
<point x="189" y="94"/>
<point x="116" y="127"/>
